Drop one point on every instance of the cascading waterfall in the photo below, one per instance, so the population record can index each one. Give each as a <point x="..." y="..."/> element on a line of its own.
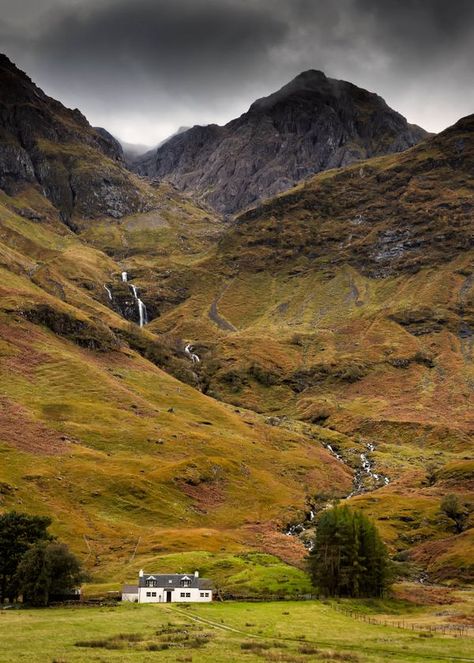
<point x="188" y="349"/>
<point x="142" y="312"/>
<point x="366" y="467"/>
<point x="109" y="292"/>
<point x="124" y="277"/>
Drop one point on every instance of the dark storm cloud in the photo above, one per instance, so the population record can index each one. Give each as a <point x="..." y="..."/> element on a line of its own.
<point x="144" y="67"/>
<point x="185" y="44"/>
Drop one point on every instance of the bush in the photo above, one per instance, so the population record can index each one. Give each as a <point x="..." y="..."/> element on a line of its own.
<point x="455" y="511"/>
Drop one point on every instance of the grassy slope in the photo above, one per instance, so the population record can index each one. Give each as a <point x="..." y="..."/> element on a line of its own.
<point x="130" y="463"/>
<point x="317" y="338"/>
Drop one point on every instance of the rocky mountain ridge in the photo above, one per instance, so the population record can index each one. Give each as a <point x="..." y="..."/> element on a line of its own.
<point x="80" y="169"/>
<point x="313" y="123"/>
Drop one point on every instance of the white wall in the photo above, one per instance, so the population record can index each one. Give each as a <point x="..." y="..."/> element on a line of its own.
<point x="176" y="595"/>
<point x="133" y="598"/>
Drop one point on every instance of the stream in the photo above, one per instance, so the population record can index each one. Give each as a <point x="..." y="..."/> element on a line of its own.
<point x="363" y="472"/>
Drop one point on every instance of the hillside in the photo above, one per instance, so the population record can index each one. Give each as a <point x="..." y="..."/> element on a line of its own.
<point x="334" y="328"/>
<point x="130" y="462"/>
<point x="313" y="123"/>
<point x="80" y="169"/>
<point x="347" y="303"/>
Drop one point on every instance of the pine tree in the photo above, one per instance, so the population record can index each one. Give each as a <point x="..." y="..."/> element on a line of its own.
<point x="349" y="558"/>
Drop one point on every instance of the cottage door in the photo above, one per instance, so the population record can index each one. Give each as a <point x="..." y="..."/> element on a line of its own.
<point x="168" y="597"/>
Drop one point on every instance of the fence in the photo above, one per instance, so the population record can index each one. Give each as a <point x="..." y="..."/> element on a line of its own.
<point x="456" y="630"/>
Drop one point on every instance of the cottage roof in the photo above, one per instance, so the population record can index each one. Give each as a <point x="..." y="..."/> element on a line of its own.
<point x="130" y="589"/>
<point x="173" y="580"/>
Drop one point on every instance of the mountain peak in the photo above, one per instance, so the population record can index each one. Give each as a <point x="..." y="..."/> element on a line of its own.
<point x="311" y="80"/>
<point x="312" y="123"/>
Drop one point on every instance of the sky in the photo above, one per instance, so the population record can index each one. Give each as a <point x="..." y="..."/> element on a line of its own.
<point x="144" y="68"/>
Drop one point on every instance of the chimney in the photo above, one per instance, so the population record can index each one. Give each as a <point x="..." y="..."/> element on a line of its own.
<point x="140" y="574"/>
<point x="196" y="574"/>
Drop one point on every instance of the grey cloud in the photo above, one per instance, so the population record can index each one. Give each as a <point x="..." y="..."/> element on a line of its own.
<point x="144" y="67"/>
<point x="187" y="45"/>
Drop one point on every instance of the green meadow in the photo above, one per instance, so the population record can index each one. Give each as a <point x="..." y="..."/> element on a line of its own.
<point x="230" y="631"/>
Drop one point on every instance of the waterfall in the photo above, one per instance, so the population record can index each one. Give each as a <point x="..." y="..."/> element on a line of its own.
<point x="334" y="453"/>
<point x="188" y="349"/>
<point x="109" y="292"/>
<point x="366" y="467"/>
<point x="142" y="312"/>
<point x="124" y="277"/>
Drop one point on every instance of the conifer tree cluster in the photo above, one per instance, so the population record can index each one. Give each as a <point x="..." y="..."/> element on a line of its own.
<point x="349" y="558"/>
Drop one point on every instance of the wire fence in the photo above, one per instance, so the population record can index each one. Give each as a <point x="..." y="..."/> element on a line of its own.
<point x="456" y="630"/>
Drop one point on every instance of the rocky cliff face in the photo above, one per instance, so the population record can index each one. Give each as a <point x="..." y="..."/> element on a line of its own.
<point x="312" y="124"/>
<point x="79" y="168"/>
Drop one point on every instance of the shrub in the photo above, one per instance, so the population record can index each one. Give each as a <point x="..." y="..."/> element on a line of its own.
<point x="254" y="645"/>
<point x="455" y="511"/>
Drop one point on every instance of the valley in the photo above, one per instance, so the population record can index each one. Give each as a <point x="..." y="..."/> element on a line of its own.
<point x="333" y="325"/>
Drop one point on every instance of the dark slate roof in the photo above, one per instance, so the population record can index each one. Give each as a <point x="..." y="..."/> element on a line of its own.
<point x="130" y="589"/>
<point x="173" y="580"/>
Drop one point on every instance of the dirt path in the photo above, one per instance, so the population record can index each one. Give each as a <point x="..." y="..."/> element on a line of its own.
<point x="321" y="643"/>
<point x="213" y="313"/>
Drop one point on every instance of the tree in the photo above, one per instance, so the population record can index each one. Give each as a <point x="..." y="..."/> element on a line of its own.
<point x="18" y="532"/>
<point x="455" y="511"/>
<point x="349" y="558"/>
<point x="46" y="569"/>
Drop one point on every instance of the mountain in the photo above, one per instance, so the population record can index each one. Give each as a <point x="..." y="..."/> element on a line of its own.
<point x="133" y="151"/>
<point x="312" y="124"/>
<point x="103" y="425"/>
<point x="347" y="303"/>
<point x="333" y="325"/>
<point x="80" y="169"/>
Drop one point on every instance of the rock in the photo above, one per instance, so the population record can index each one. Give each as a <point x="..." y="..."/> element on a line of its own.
<point x="80" y="169"/>
<point x="110" y="145"/>
<point x="15" y="166"/>
<point x="311" y="124"/>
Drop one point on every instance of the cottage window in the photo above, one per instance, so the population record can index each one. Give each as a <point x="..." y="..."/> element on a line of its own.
<point x="185" y="583"/>
<point x="188" y="594"/>
<point x="148" y="593"/>
<point x="202" y="594"/>
<point x="153" y="593"/>
<point x="182" y="594"/>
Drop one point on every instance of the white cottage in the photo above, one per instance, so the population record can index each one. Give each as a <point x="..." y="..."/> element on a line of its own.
<point x="168" y="588"/>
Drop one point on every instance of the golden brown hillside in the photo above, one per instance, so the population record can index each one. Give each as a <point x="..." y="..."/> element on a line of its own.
<point x="347" y="304"/>
<point x="334" y="331"/>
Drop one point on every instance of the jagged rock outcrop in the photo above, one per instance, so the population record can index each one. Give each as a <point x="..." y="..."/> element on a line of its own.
<point x="312" y="124"/>
<point x="111" y="146"/>
<point x="79" y="168"/>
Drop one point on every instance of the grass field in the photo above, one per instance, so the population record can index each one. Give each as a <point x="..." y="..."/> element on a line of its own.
<point x="280" y="631"/>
